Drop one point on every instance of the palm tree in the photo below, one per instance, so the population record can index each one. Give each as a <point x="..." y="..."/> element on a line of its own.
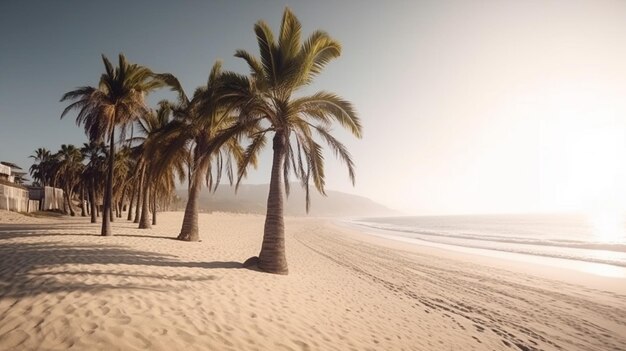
<point x="267" y="101"/>
<point x="199" y="121"/>
<point x="159" y="173"/>
<point x="123" y="167"/>
<point x="134" y="184"/>
<point x="70" y="167"/>
<point x="117" y="102"/>
<point x="93" y="173"/>
<point x="130" y="179"/>
<point x="164" y="184"/>
<point x="38" y="170"/>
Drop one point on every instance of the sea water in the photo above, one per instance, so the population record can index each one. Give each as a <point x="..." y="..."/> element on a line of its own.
<point x="573" y="237"/>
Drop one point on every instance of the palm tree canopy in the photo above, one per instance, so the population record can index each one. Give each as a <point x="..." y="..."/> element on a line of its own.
<point x="41" y="169"/>
<point x="198" y="122"/>
<point x="95" y="154"/>
<point x="117" y="101"/>
<point x="70" y="165"/>
<point x="152" y="145"/>
<point x="266" y="101"/>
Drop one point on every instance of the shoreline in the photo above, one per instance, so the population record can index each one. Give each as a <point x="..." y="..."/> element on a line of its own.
<point x="594" y="274"/>
<point x="589" y="265"/>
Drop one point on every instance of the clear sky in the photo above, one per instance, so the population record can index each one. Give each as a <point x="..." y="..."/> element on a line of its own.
<point x="468" y="106"/>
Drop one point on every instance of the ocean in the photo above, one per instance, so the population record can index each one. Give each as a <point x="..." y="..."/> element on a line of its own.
<point x="574" y="237"/>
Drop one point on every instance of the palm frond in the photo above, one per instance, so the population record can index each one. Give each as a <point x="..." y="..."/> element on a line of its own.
<point x="249" y="156"/>
<point x="325" y="106"/>
<point x="289" y="37"/>
<point x="268" y="50"/>
<point x="339" y="150"/>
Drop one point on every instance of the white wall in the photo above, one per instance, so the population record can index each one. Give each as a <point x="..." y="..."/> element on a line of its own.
<point x="13" y="198"/>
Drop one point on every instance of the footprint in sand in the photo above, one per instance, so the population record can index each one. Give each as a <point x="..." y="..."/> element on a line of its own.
<point x="90" y="326"/>
<point x="139" y="341"/>
<point x="117" y="331"/>
<point x="185" y="336"/>
<point x="105" y="310"/>
<point x="160" y="331"/>
<point x="69" y="309"/>
<point x="11" y="340"/>
<point x="123" y="319"/>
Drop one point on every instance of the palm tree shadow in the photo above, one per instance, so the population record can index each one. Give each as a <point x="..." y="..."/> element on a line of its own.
<point x="13" y="235"/>
<point x="147" y="236"/>
<point x="221" y="264"/>
<point x="29" y="269"/>
<point x="6" y="227"/>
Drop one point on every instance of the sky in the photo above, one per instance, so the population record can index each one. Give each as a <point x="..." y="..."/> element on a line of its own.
<point x="467" y="106"/>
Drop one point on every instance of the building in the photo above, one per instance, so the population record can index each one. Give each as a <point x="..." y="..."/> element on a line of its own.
<point x="5" y="173"/>
<point x="12" y="173"/>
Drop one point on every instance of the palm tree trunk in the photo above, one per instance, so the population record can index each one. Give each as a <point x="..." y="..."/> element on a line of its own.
<point x="272" y="257"/>
<point x="92" y="203"/>
<point x="65" y="211"/>
<point x="130" y="205"/>
<point x="113" y="211"/>
<point x="144" y="221"/>
<point x="111" y="216"/>
<point x="122" y="200"/>
<point x="83" y="207"/>
<point x="117" y="209"/>
<point x="154" y="206"/>
<point x="124" y="194"/>
<point x="68" y="197"/>
<point x="189" y="231"/>
<point x="108" y="196"/>
<point x="139" y="194"/>
<point x="97" y="200"/>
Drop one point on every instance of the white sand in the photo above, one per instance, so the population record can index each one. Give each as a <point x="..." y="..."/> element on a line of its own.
<point x="62" y="286"/>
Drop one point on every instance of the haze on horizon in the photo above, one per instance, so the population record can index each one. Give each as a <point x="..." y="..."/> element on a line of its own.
<point x="481" y="107"/>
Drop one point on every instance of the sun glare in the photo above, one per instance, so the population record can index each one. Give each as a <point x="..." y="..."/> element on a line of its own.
<point x="607" y="226"/>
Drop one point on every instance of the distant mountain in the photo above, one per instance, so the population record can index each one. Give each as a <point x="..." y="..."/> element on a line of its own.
<point x="253" y="199"/>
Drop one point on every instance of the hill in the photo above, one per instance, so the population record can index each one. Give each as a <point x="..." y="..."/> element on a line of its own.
<point x="253" y="199"/>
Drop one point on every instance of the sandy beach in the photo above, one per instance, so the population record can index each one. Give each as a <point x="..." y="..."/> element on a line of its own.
<point x="64" y="287"/>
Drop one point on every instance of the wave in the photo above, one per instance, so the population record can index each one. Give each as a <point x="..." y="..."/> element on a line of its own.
<point x="596" y="252"/>
<point x="617" y="247"/>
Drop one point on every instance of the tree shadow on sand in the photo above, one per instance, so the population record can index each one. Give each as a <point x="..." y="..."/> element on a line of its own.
<point x="11" y="231"/>
<point x="7" y="227"/>
<point x="28" y="269"/>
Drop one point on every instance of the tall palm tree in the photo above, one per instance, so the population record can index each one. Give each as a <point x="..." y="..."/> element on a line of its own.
<point x="116" y="103"/>
<point x="199" y="121"/>
<point x="159" y="172"/>
<point x="122" y="169"/>
<point x="268" y="101"/>
<point x="134" y="185"/>
<point x="70" y="168"/>
<point x="130" y="179"/>
<point x="93" y="173"/>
